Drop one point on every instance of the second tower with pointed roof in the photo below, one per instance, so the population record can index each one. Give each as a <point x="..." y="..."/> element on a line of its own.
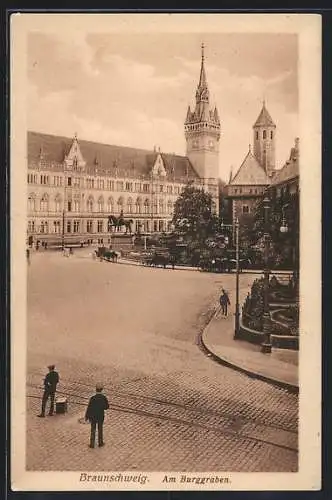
<point x="264" y="130"/>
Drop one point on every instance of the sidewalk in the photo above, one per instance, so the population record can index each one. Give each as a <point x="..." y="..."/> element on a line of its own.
<point x="278" y="368"/>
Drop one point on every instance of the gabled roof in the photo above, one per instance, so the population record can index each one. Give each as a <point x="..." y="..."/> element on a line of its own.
<point x="107" y="158"/>
<point x="264" y="119"/>
<point x="250" y="173"/>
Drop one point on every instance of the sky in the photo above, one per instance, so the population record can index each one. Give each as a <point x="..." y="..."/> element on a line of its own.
<point x="134" y="89"/>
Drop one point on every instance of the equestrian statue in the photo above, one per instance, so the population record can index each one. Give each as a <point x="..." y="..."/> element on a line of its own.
<point x="118" y="222"/>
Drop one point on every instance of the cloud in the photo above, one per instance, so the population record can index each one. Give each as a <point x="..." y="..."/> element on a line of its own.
<point x="97" y="88"/>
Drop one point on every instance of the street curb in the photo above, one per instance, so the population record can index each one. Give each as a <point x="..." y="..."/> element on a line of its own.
<point x="138" y="264"/>
<point x="294" y="389"/>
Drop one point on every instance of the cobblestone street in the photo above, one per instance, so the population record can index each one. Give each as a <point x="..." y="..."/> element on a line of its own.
<point x="172" y="408"/>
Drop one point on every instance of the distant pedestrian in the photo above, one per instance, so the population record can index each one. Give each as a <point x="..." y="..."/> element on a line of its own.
<point x="224" y="302"/>
<point x="95" y="415"/>
<point x="50" y="382"/>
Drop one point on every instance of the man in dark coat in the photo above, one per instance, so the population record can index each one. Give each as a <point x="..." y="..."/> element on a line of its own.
<point x="224" y="302"/>
<point x="50" y="382"/>
<point x="95" y="414"/>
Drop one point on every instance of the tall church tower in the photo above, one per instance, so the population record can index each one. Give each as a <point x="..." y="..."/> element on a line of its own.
<point x="202" y="133"/>
<point x="264" y="141"/>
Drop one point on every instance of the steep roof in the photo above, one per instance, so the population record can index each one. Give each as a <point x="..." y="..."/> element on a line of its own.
<point x="291" y="168"/>
<point x="107" y="158"/>
<point x="250" y="173"/>
<point x="264" y="119"/>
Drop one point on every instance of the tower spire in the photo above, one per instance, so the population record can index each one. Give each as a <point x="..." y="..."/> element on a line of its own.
<point x="202" y="77"/>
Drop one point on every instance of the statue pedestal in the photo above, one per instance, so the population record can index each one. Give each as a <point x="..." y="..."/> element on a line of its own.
<point x="122" y="242"/>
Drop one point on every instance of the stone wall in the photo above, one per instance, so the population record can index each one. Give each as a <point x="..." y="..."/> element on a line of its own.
<point x="256" y="337"/>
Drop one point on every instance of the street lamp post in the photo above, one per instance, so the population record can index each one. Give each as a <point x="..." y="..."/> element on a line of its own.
<point x="237" y="285"/>
<point x="63" y="211"/>
<point x="237" y="257"/>
<point x="63" y="229"/>
<point x="295" y="253"/>
<point x="266" y="346"/>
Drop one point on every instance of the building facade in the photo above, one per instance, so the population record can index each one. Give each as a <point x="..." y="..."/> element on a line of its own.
<point x="75" y="185"/>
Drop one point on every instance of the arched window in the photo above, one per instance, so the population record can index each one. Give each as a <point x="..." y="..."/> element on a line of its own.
<point x="264" y="134"/>
<point x="32" y="202"/>
<point x="89" y="204"/>
<point x="57" y="203"/>
<point x="76" y="203"/>
<point x="271" y="134"/>
<point x="110" y="205"/>
<point x="120" y="204"/>
<point x="146" y="206"/>
<point x="44" y="203"/>
<point x="257" y="135"/>
<point x="161" y="206"/>
<point x="245" y="209"/>
<point x="139" y="205"/>
<point x="44" y="227"/>
<point x="100" y="204"/>
<point x="169" y="207"/>
<point x="130" y="206"/>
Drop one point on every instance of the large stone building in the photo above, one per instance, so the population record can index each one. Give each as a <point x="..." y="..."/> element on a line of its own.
<point x="75" y="185"/>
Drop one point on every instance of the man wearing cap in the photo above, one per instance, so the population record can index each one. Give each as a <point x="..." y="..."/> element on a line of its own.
<point x="50" y="382"/>
<point x="95" y="414"/>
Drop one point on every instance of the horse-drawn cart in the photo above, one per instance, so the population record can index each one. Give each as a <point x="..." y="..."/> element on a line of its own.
<point x="106" y="254"/>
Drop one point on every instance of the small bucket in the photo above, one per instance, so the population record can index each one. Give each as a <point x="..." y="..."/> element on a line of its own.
<point x="61" y="405"/>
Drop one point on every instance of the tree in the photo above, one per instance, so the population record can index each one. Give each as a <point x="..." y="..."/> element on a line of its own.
<point x="193" y="217"/>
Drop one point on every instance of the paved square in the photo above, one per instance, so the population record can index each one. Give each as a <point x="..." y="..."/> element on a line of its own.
<point x="172" y="408"/>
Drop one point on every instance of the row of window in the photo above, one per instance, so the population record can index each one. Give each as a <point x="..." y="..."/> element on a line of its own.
<point x="76" y="205"/>
<point x="264" y="134"/>
<point x="76" y="226"/>
<point x="250" y="191"/>
<point x="101" y="184"/>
